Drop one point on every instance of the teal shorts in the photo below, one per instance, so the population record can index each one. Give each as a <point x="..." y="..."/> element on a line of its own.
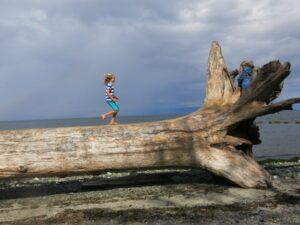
<point x="113" y="105"/>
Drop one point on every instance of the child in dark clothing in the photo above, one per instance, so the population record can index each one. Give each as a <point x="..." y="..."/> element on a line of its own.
<point x="245" y="75"/>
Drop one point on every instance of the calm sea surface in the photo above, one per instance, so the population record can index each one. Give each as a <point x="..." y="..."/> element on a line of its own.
<point x="280" y="133"/>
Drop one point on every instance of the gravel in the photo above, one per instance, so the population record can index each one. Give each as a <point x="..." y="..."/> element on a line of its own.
<point x="174" y="196"/>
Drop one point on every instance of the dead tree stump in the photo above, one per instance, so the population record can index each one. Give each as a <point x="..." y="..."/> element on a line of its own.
<point x="218" y="137"/>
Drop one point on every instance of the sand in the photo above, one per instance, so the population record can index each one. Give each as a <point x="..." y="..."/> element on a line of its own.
<point x="177" y="196"/>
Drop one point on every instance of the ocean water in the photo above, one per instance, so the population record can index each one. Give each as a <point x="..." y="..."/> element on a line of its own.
<point x="280" y="135"/>
<point x="278" y="141"/>
<point x="280" y="132"/>
<point x="52" y="123"/>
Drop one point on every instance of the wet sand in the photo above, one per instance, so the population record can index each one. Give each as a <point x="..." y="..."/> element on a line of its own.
<point x="177" y="196"/>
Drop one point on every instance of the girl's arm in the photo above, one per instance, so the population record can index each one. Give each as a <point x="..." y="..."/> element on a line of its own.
<point x="109" y="95"/>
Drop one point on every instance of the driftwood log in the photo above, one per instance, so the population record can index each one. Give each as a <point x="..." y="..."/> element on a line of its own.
<point x="218" y="137"/>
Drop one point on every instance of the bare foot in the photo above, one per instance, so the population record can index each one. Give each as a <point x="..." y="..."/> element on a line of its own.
<point x="114" y="123"/>
<point x="103" y="118"/>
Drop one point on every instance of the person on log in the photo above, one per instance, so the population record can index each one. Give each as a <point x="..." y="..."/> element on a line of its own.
<point x="245" y="75"/>
<point x="110" y="98"/>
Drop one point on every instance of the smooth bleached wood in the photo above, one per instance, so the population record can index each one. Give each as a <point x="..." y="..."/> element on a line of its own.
<point x="218" y="137"/>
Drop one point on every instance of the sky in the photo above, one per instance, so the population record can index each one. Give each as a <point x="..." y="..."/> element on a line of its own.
<point x="53" y="53"/>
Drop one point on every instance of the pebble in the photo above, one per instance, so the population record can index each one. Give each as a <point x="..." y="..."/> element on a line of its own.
<point x="108" y="173"/>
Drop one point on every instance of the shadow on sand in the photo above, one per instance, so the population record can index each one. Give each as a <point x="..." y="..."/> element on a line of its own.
<point x="25" y="190"/>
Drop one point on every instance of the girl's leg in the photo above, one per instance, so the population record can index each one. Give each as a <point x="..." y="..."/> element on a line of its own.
<point x="105" y="115"/>
<point x="113" y="119"/>
<point x="115" y="107"/>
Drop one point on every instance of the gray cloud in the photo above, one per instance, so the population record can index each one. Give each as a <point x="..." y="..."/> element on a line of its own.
<point x="54" y="53"/>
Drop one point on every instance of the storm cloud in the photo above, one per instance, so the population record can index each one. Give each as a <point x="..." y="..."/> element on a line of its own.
<point x="54" y="52"/>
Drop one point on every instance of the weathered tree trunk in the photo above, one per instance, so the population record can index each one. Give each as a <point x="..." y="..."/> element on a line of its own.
<point x="217" y="137"/>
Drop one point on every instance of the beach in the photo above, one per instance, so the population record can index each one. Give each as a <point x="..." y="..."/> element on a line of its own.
<point x="149" y="112"/>
<point x="174" y="196"/>
<point x="165" y="196"/>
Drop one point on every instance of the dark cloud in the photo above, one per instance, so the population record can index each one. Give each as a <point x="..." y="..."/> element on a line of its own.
<point x="54" y="53"/>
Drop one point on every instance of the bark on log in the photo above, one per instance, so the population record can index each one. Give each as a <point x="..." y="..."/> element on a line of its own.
<point x="218" y="137"/>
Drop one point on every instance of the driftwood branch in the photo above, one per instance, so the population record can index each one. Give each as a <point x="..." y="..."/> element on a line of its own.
<point x="218" y="137"/>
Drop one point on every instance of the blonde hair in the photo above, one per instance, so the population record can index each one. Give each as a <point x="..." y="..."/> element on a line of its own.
<point x="108" y="77"/>
<point x="246" y="63"/>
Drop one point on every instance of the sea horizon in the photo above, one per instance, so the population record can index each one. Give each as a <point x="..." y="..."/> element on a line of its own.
<point x="79" y="121"/>
<point x="137" y="115"/>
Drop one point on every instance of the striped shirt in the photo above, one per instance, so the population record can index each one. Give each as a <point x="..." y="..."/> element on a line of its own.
<point x="111" y="89"/>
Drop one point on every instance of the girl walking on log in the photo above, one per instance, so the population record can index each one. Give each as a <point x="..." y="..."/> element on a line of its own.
<point x="110" y="98"/>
